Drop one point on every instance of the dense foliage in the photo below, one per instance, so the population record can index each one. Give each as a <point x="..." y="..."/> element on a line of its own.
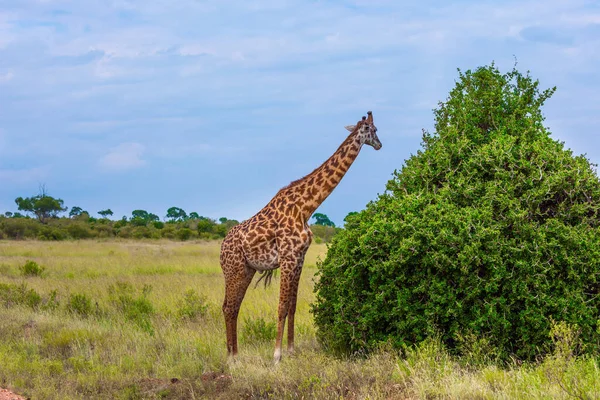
<point x="490" y="231"/>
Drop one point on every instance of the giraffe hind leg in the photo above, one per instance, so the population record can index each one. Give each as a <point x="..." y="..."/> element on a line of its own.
<point x="237" y="281"/>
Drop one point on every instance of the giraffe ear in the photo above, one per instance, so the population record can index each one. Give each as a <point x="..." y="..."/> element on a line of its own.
<point x="350" y="128"/>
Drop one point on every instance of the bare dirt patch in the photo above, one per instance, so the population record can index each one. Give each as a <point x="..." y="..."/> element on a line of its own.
<point x="6" y="394"/>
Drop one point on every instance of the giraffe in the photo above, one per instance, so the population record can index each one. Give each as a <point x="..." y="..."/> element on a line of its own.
<point x="278" y="236"/>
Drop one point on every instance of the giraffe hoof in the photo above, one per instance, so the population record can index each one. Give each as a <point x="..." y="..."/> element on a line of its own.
<point x="277" y="356"/>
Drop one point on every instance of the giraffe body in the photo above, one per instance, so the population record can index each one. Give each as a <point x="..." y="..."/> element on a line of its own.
<point x="278" y="236"/>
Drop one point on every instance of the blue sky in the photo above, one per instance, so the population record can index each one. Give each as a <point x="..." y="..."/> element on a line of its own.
<point x="212" y="106"/>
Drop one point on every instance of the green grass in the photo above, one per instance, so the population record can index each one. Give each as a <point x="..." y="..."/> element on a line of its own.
<point x="137" y="319"/>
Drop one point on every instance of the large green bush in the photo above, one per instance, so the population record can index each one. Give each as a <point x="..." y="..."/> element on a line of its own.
<point x="491" y="230"/>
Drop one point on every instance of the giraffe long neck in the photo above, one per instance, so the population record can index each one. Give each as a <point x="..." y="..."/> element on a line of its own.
<point x="309" y="192"/>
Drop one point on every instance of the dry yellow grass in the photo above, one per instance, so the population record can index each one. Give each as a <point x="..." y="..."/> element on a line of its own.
<point x="119" y="349"/>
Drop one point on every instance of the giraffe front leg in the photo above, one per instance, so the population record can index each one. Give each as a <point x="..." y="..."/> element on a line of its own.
<point x="292" y="308"/>
<point x="285" y="289"/>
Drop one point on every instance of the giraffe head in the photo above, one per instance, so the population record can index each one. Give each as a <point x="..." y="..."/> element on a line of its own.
<point x="366" y="131"/>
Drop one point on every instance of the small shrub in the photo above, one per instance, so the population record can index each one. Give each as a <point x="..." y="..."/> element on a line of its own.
<point x="476" y="351"/>
<point x="103" y="230"/>
<point x="79" y="230"/>
<point x="564" y="367"/>
<point x="14" y="295"/>
<point x="137" y="309"/>
<point x="184" y="233"/>
<point x="51" y="233"/>
<point x="123" y="230"/>
<point x="258" y="331"/>
<point x="51" y="303"/>
<point x="141" y="232"/>
<point x="31" y="268"/>
<point x="565" y="340"/>
<point x="192" y="305"/>
<point x="158" y="224"/>
<point x="120" y="223"/>
<point x="80" y="304"/>
<point x="169" y="231"/>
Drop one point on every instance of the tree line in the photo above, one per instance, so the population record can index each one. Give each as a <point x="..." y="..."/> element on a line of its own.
<point x="46" y="218"/>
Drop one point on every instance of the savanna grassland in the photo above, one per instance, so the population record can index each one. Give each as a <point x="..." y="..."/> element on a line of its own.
<point x="142" y="319"/>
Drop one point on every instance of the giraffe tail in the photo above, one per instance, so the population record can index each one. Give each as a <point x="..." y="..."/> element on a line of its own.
<point x="267" y="276"/>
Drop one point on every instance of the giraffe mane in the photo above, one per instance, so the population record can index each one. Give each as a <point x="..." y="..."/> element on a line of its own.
<point x="324" y="162"/>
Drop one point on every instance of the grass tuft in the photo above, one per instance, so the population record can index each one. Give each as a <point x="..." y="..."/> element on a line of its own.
<point x="31" y="268"/>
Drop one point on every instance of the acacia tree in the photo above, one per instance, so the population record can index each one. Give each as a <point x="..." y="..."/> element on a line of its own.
<point x="42" y="206"/>
<point x="491" y="231"/>
<point x="142" y="217"/>
<point x="322" y="219"/>
<point x="106" y="213"/>
<point x="76" y="212"/>
<point x="176" y="214"/>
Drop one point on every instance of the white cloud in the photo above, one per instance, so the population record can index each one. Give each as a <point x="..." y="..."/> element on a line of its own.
<point x="125" y="156"/>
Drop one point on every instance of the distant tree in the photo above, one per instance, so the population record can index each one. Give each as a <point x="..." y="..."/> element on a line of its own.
<point x="106" y="213"/>
<point x="139" y="217"/>
<point x="194" y="215"/>
<point x="322" y="219"/>
<point x="76" y="212"/>
<point x="228" y="223"/>
<point x="42" y="206"/>
<point x="137" y="221"/>
<point x="175" y="214"/>
<point x="18" y="215"/>
<point x="8" y="214"/>
<point x="120" y="223"/>
<point x="158" y="224"/>
<point x="142" y="214"/>
<point x="206" y="224"/>
<point x="142" y="217"/>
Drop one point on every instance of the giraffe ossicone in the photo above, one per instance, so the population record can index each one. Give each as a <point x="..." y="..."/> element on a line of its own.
<point x="278" y="236"/>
